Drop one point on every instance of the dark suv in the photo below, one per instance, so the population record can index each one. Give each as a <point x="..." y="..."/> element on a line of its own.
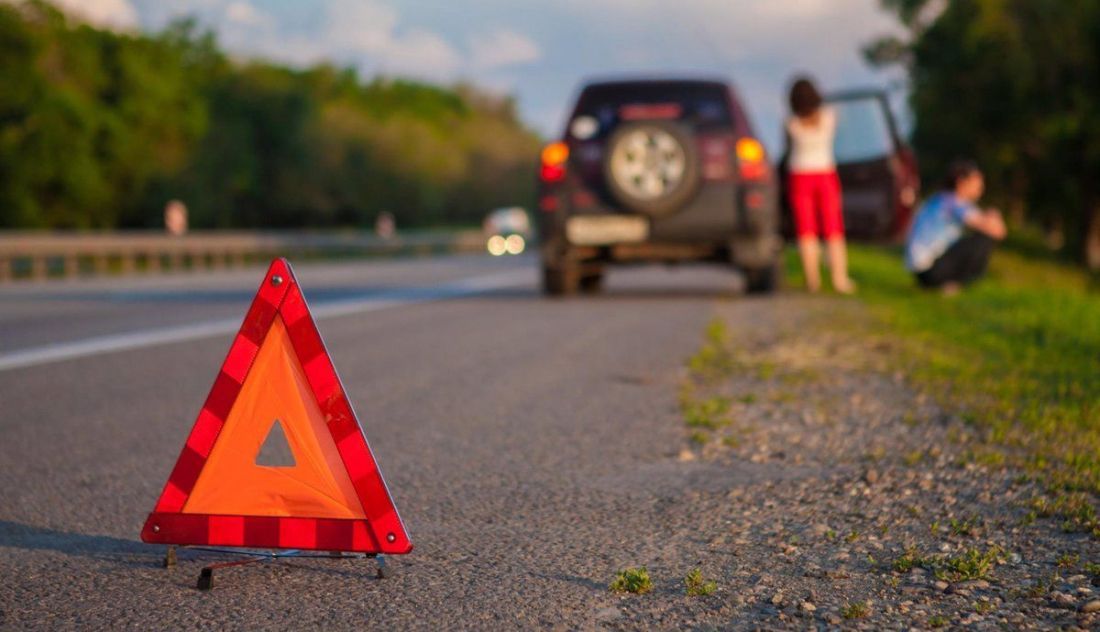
<point x="656" y="170"/>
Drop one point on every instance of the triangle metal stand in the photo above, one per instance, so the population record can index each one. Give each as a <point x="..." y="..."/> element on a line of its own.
<point x="206" y="576"/>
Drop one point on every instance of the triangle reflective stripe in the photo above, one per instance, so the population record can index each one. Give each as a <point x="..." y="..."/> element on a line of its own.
<point x="278" y="375"/>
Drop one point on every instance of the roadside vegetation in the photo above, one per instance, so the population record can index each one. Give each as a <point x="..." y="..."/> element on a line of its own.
<point x="1017" y="356"/>
<point x="100" y="129"/>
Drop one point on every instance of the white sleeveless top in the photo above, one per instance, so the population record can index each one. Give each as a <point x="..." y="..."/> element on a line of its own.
<point x="812" y="146"/>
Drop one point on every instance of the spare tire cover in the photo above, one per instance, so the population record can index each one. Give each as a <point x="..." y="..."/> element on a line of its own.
<point x="652" y="167"/>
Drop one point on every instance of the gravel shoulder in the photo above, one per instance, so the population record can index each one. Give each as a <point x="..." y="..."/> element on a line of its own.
<point x="862" y="504"/>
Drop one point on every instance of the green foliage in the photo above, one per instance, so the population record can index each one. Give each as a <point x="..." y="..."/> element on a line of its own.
<point x="699" y="437"/>
<point x="855" y="610"/>
<point x="963" y="527"/>
<point x="1067" y="560"/>
<point x="1013" y="84"/>
<point x="632" y="580"/>
<point x="710" y="413"/>
<point x="714" y="359"/>
<point x="99" y="129"/>
<point x="970" y="564"/>
<point x="695" y="585"/>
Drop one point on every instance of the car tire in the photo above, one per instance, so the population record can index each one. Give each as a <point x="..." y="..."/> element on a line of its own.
<point x="559" y="280"/>
<point x="762" y="280"/>
<point x="659" y="183"/>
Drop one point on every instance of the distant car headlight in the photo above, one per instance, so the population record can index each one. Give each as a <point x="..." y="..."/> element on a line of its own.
<point x="497" y="245"/>
<point x="514" y="244"/>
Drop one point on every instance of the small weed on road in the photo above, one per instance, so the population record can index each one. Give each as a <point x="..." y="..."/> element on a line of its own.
<point x="695" y="585"/>
<point x="855" y="610"/>
<point x="970" y="564"/>
<point x="632" y="580"/>
<point x="714" y="360"/>
<point x="711" y="413"/>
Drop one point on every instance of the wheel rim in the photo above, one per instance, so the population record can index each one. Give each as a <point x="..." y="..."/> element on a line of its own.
<point x="648" y="163"/>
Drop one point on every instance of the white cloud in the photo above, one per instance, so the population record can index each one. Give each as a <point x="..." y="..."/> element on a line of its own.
<point x="244" y="13"/>
<point x="364" y="33"/>
<point x="500" y="48"/>
<point x="113" y="14"/>
<point x="541" y="53"/>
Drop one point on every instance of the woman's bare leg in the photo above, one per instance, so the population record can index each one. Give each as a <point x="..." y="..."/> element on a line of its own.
<point x="838" y="266"/>
<point x="810" y="251"/>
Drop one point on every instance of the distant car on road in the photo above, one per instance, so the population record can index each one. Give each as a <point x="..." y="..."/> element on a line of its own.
<point x="656" y="170"/>
<point x="877" y="169"/>
<point x="507" y="231"/>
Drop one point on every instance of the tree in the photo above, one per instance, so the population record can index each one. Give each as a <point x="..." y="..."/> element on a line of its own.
<point x="99" y="129"/>
<point x="1015" y="84"/>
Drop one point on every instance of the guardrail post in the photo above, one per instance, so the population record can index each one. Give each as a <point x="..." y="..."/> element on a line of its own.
<point x="175" y="261"/>
<point x="39" y="267"/>
<point x="71" y="265"/>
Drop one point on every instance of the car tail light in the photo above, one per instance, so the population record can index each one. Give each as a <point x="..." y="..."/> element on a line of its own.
<point x="751" y="159"/>
<point x="554" y="157"/>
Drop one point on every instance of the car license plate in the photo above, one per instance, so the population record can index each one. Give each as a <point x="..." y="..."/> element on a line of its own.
<point x="606" y="229"/>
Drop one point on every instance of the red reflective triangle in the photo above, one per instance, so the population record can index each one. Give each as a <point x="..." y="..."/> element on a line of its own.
<point x="333" y="497"/>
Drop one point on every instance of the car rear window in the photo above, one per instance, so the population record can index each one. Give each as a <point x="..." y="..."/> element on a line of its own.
<point x="702" y="105"/>
<point x="862" y="130"/>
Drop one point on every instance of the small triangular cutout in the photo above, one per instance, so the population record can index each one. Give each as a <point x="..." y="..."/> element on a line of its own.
<point x="275" y="451"/>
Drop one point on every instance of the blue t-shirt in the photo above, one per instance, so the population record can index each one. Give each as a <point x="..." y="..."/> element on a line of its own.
<point x="940" y="222"/>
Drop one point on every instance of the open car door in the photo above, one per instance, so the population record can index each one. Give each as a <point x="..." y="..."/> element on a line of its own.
<point x="871" y="161"/>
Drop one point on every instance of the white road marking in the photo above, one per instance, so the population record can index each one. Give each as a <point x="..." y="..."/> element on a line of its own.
<point x="112" y="343"/>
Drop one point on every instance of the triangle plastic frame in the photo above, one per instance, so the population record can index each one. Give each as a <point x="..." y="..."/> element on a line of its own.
<point x="381" y="532"/>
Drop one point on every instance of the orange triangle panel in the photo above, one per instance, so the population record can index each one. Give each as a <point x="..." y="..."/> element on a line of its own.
<point x="333" y="497"/>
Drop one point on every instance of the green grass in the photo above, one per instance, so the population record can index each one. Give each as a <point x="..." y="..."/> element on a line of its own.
<point x="1018" y="354"/>
<point x="632" y="580"/>
<point x="710" y="413"/>
<point x="714" y="359"/>
<point x="970" y="564"/>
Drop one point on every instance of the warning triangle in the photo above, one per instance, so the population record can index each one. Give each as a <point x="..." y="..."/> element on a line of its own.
<point x="323" y="489"/>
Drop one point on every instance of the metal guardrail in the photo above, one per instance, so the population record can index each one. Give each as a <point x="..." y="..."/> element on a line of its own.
<point x="43" y="255"/>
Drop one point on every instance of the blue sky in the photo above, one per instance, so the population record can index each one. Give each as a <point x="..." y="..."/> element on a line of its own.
<point x="541" y="51"/>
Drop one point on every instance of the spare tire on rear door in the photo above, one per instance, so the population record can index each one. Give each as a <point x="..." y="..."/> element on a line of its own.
<point x="652" y="167"/>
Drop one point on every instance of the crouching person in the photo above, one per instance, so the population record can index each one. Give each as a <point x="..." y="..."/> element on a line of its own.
<point x="952" y="239"/>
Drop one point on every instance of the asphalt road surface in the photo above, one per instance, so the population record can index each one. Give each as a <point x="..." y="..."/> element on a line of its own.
<point x="529" y="444"/>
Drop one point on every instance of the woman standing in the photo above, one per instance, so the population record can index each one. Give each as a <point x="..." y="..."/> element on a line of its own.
<point x="814" y="188"/>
